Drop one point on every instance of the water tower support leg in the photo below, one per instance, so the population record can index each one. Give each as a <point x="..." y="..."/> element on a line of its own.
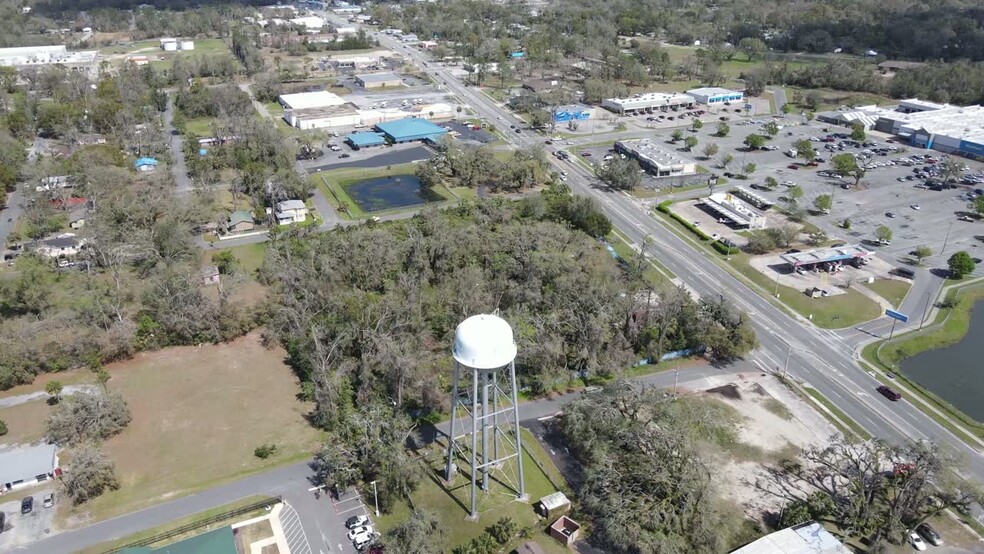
<point x="474" y="447"/>
<point x="454" y="412"/>
<point x="519" y="446"/>
<point x="485" y="431"/>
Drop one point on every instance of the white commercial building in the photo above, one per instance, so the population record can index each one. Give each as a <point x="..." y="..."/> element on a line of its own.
<point x="735" y="210"/>
<point x="653" y="158"/>
<point x="378" y="80"/>
<point x="805" y="538"/>
<point x="715" y="95"/>
<point x="33" y="56"/>
<point x="312" y="23"/>
<point x="950" y="129"/>
<point x="327" y="117"/>
<point x="23" y="466"/>
<point x="305" y="100"/>
<point x="649" y="101"/>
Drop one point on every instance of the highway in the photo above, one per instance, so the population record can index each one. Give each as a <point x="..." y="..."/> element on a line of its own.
<point x="823" y="359"/>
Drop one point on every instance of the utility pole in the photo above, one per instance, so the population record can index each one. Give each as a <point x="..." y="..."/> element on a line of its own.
<point x="676" y="379"/>
<point x="777" y="283"/>
<point x="375" y="497"/>
<point x="946" y="239"/>
<point x="925" y="311"/>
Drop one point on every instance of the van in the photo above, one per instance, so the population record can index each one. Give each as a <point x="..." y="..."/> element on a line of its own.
<point x="889" y="393"/>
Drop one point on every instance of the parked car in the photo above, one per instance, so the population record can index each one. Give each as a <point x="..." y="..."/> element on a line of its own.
<point x="930" y="534"/>
<point x="965" y="218"/>
<point x="793" y="166"/>
<point x="356" y="521"/>
<point x="890" y="215"/>
<point x="3" y="521"/>
<point x="345" y="155"/>
<point x="360" y="530"/>
<point x="363" y="541"/>
<point x="27" y="505"/>
<point x="914" y="206"/>
<point x="889" y="393"/>
<point x="916" y="541"/>
<point x="49" y="500"/>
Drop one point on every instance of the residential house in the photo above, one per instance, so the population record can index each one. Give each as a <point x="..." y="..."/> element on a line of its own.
<point x="240" y="222"/>
<point x="210" y="275"/>
<point x="62" y="246"/>
<point x="54" y="182"/>
<point x="68" y="203"/>
<point x="145" y="164"/>
<point x="76" y="218"/>
<point x="291" y="211"/>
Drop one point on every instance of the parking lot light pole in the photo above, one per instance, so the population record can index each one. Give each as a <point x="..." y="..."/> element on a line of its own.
<point x="946" y="239"/>
<point x="925" y="311"/>
<point x="375" y="497"/>
<point x="777" y="283"/>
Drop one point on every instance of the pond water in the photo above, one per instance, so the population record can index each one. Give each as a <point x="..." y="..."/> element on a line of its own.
<point x="955" y="373"/>
<point x="387" y="193"/>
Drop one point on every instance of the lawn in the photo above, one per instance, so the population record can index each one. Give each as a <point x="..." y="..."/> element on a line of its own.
<point x="893" y="290"/>
<point x="200" y="126"/>
<point x="334" y="183"/>
<point x="25" y="422"/>
<point x="451" y="506"/>
<point x="833" y="99"/>
<point x="198" y="413"/>
<point x="275" y="109"/>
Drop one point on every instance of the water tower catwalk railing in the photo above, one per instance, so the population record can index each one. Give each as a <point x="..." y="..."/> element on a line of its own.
<point x="484" y="351"/>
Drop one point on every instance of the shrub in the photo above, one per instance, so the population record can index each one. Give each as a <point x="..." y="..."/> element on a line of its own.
<point x="502" y="530"/>
<point x="264" y="451"/>
<point x="3" y="428"/>
<point x="87" y="416"/>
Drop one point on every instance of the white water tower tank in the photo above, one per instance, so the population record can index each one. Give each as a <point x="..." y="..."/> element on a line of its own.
<point x="484" y="341"/>
<point x="170" y="46"/>
<point x="187" y="45"/>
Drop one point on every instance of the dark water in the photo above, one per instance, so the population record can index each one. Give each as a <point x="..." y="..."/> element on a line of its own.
<point x="955" y="373"/>
<point x="386" y="193"/>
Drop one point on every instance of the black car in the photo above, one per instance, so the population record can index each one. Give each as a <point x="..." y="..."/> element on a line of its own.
<point x="930" y="534"/>
<point x="889" y="393"/>
<point x="27" y="505"/>
<point x="345" y="155"/>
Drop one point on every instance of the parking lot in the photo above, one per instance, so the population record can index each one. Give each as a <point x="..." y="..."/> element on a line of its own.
<point x="21" y="529"/>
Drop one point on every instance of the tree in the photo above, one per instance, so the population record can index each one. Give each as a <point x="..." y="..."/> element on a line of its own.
<point x="752" y="47"/>
<point x="804" y="149"/>
<point x="709" y="150"/>
<point x="754" y="141"/>
<point x="921" y="252"/>
<point x="952" y="169"/>
<point x="794" y="193"/>
<point x="723" y="129"/>
<point x="696" y="124"/>
<point x="54" y="390"/>
<point x="540" y="119"/>
<point x="690" y="142"/>
<point x="883" y="233"/>
<point x="621" y="174"/>
<point x="979" y="205"/>
<point x="726" y="160"/>
<point x="89" y="474"/>
<point x="847" y="165"/>
<point x="503" y="530"/>
<point x="771" y="182"/>
<point x="748" y="169"/>
<point x="3" y="428"/>
<point x="421" y="533"/>
<point x="786" y="108"/>
<point x="87" y="416"/>
<point x="771" y="128"/>
<point x="676" y="135"/>
<point x="823" y="203"/>
<point x="857" y="132"/>
<point x="961" y="265"/>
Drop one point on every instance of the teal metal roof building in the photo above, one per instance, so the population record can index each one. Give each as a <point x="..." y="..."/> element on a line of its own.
<point x="364" y="140"/>
<point x="219" y="541"/>
<point x="411" y="129"/>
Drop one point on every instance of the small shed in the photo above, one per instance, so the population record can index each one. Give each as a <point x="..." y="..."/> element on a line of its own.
<point x="552" y="505"/>
<point x="145" y="164"/>
<point x="210" y="275"/>
<point x="565" y="530"/>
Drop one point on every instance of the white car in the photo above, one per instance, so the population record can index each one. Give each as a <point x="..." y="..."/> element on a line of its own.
<point x="361" y="530"/>
<point x="914" y="206"/>
<point x="363" y="540"/>
<point x="357" y="521"/>
<point x="916" y="541"/>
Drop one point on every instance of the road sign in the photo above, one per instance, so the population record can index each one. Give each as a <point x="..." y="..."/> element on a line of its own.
<point x="897" y="315"/>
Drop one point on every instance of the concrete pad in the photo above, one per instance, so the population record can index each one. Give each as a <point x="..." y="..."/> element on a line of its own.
<point x="835" y="283"/>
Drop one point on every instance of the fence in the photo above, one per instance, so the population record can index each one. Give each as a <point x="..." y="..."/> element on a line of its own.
<point x="194" y="526"/>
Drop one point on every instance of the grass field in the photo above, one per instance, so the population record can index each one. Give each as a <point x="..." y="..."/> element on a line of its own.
<point x="833" y="99"/>
<point x="275" y="109"/>
<point x="198" y="413"/>
<point x="250" y="256"/>
<point x="25" y="422"/>
<point x="200" y="127"/>
<point x="334" y="183"/>
<point x="451" y="506"/>
<point x="893" y="290"/>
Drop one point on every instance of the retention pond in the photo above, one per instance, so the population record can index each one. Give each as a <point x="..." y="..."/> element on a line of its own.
<point x="388" y="193"/>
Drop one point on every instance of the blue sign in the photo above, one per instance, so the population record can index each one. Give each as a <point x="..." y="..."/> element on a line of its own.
<point x="897" y="315"/>
<point x="972" y="148"/>
<point x="519" y="54"/>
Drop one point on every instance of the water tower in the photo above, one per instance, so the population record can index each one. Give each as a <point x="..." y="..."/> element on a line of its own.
<point x="484" y="353"/>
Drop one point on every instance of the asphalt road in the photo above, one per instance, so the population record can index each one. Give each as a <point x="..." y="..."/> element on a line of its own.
<point x="372" y="160"/>
<point x="822" y="358"/>
<point x="9" y="216"/>
<point x="178" y="167"/>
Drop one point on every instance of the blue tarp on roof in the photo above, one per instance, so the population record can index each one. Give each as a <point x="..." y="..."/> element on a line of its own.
<point x="411" y="128"/>
<point x="144" y="161"/>
<point x="361" y="140"/>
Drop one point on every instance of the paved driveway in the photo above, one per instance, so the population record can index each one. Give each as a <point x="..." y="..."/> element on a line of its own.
<point x="20" y="529"/>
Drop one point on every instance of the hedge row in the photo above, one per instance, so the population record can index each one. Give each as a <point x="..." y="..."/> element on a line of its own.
<point x="723" y="249"/>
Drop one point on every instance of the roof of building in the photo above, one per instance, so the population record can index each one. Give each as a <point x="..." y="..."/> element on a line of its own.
<point x="731" y="207"/>
<point x="805" y="538"/>
<point x="411" y="128"/>
<point x="144" y="161"/>
<point x="290" y="205"/>
<point x="240" y="216"/>
<point x="823" y="255"/>
<point x="378" y="77"/>
<point x="711" y="91"/>
<point x="65" y="240"/>
<point x="39" y="55"/>
<point x="554" y="500"/>
<point x="21" y="462"/>
<point x="899" y="65"/>
<point x="572" y="108"/>
<point x="78" y="214"/>
<point x="68" y="202"/>
<point x="316" y="99"/>
<point x="653" y="99"/>
<point x="327" y="111"/>
<point x="365" y="139"/>
<point x="219" y="541"/>
<point x="965" y="123"/>
<point x="652" y="152"/>
<point x="210" y="271"/>
<point x="311" y="22"/>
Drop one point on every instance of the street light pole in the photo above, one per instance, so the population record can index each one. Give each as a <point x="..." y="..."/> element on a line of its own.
<point x="375" y="497"/>
<point x="785" y="366"/>
<point x="676" y="378"/>
<point x="925" y="311"/>
<point x="777" y="283"/>
<point x="946" y="238"/>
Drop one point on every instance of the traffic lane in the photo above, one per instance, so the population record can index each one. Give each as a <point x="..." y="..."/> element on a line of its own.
<point x="383" y="159"/>
<point x="9" y="216"/>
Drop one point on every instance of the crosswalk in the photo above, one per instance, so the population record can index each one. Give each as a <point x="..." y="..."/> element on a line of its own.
<point x="296" y="539"/>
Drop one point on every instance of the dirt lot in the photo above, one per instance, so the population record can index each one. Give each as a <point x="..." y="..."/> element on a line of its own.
<point x="777" y="424"/>
<point x="198" y="413"/>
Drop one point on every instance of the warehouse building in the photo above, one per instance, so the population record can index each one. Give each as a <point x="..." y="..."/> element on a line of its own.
<point x="805" y="538"/>
<point x="715" y="95"/>
<point x="735" y="210"/>
<point x="365" y="140"/>
<point x="647" y="103"/>
<point x="950" y="129"/>
<point x="572" y="112"/>
<point x="378" y="80"/>
<point x="328" y="117"/>
<point x="304" y="100"/>
<point x="34" y="56"/>
<point x="411" y="129"/>
<point x="654" y="159"/>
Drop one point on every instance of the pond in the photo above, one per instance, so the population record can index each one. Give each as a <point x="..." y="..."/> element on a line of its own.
<point x="955" y="373"/>
<point x="387" y="193"/>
